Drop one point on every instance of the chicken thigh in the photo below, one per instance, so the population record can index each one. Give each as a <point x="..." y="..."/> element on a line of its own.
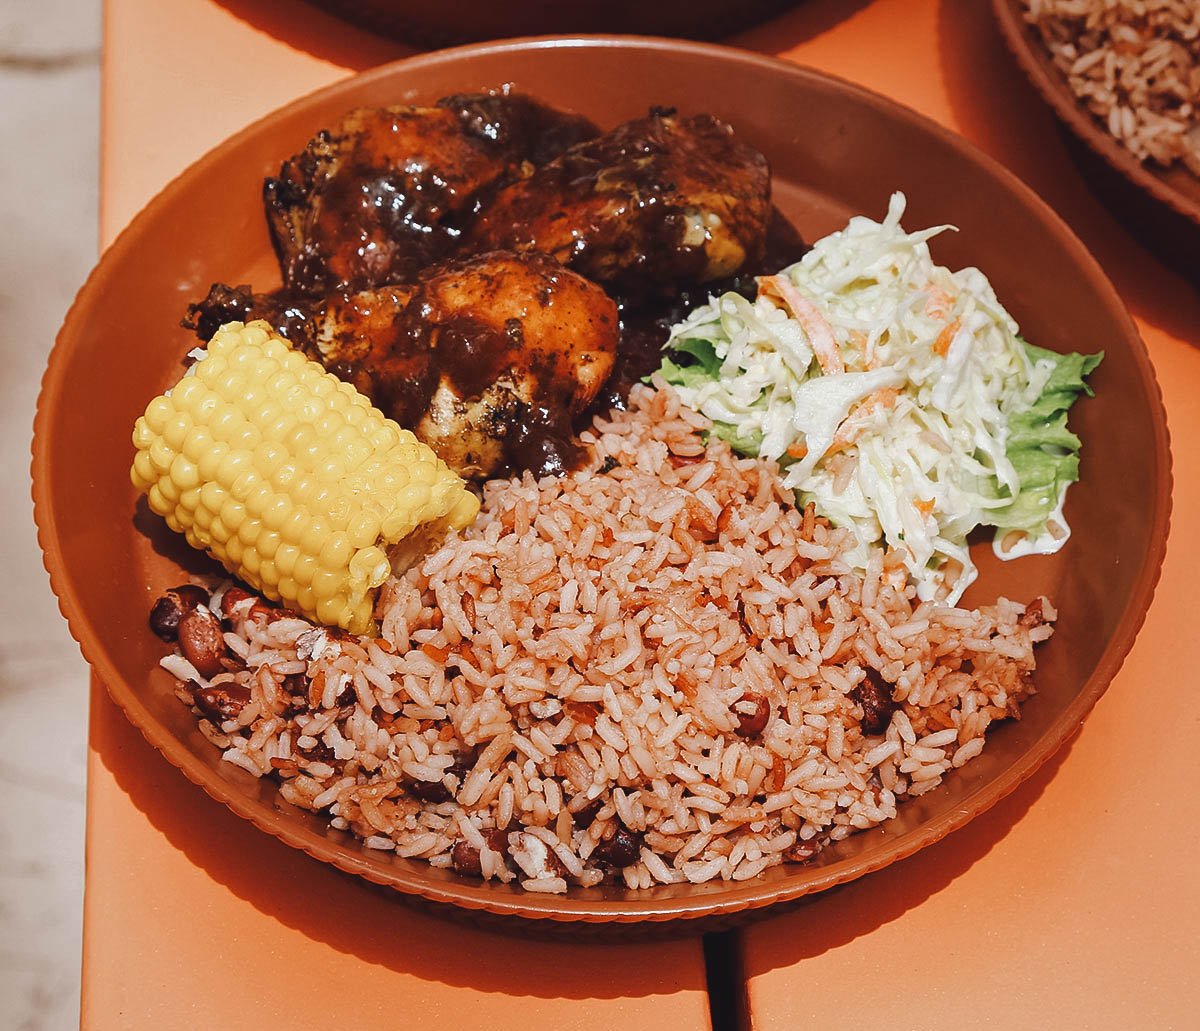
<point x="374" y="199"/>
<point x="486" y="359"/>
<point x="657" y="203"/>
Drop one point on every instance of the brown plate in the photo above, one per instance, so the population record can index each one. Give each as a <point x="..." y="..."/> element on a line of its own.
<point x="1175" y="187"/>
<point x="836" y="149"/>
<point x="442" y="22"/>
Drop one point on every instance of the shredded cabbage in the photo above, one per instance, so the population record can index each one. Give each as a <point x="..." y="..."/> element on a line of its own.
<point x="896" y="395"/>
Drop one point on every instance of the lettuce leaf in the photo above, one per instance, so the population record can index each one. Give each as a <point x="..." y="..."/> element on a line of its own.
<point x="745" y="442"/>
<point x="1043" y="451"/>
<point x="699" y="363"/>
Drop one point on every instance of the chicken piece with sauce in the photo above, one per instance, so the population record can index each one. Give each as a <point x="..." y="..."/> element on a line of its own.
<point x="656" y="204"/>
<point x="487" y="359"/>
<point x="375" y="198"/>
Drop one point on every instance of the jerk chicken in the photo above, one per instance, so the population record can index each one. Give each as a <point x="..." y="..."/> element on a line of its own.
<point x="656" y="204"/>
<point x="487" y="359"/>
<point x="486" y="268"/>
<point x="374" y="199"/>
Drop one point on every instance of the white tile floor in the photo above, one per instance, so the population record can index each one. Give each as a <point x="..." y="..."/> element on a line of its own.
<point x="49" y="115"/>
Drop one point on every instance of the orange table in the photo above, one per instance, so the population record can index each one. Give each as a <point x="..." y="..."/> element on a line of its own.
<point x="1074" y="903"/>
<point x="192" y="918"/>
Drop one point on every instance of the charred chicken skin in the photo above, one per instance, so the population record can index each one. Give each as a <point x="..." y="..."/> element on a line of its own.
<point x="375" y="198"/>
<point x="486" y="358"/>
<point x="456" y="263"/>
<point x="657" y="203"/>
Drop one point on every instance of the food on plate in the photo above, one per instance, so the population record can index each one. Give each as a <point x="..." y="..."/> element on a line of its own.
<point x="898" y="397"/>
<point x="656" y="669"/>
<point x="487" y="358"/>
<point x="669" y="637"/>
<point x="374" y="199"/>
<point x="290" y="479"/>
<point x="463" y="264"/>
<point x="1135" y="65"/>
<point x="657" y="203"/>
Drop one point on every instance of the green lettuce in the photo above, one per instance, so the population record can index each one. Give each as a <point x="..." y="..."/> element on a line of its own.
<point x="697" y="364"/>
<point x="744" y="442"/>
<point x="1043" y="451"/>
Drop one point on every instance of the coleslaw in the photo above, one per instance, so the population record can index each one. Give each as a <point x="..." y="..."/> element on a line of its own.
<point x="897" y="396"/>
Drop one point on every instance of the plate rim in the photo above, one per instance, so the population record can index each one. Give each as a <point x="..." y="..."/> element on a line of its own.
<point x="735" y="899"/>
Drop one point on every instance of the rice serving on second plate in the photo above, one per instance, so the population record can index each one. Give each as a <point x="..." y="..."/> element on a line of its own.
<point x="1135" y="64"/>
<point x="655" y="669"/>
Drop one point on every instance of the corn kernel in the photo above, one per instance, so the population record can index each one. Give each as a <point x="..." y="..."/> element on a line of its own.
<point x="187" y="392"/>
<point x="305" y="568"/>
<point x="268" y="544"/>
<point x="199" y="442"/>
<point x="276" y="512"/>
<point x="158" y="412"/>
<point x="329" y="610"/>
<point x="248" y="531"/>
<point x="285" y="558"/>
<point x="210" y="461"/>
<point x="161" y="455"/>
<point x="212" y="496"/>
<point x="364" y="529"/>
<point x="143" y="470"/>
<point x="326" y="583"/>
<point x="185" y="474"/>
<point x="168" y="492"/>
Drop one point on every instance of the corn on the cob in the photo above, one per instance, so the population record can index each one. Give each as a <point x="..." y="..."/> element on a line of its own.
<point x="290" y="478"/>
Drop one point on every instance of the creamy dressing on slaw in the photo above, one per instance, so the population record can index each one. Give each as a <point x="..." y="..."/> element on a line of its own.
<point x="884" y="385"/>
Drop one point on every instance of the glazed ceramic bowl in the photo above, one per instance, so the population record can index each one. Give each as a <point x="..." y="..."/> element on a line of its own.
<point x="1176" y="188"/>
<point x="835" y="150"/>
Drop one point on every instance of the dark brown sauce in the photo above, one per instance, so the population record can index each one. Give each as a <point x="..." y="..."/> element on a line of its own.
<point x="376" y="199"/>
<point x="617" y="209"/>
<point x="543" y="441"/>
<point x="366" y="243"/>
<point x="645" y="327"/>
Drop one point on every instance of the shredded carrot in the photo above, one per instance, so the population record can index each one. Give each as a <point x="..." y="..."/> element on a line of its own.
<point x="885" y="397"/>
<point x="942" y="344"/>
<point x="939" y="304"/>
<point x="839" y="444"/>
<point x="848" y="431"/>
<point x="924" y="507"/>
<point x="435" y="653"/>
<point x="1011" y="540"/>
<point x="798" y="450"/>
<point x="819" y="333"/>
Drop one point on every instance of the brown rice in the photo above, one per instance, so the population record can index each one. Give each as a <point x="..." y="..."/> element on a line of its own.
<point x="1135" y="64"/>
<point x="657" y="669"/>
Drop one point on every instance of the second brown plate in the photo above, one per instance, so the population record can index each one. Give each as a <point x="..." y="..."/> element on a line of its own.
<point x="1175" y="187"/>
<point x="835" y="150"/>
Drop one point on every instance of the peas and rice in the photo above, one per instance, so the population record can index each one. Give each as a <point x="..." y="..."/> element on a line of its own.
<point x="658" y="668"/>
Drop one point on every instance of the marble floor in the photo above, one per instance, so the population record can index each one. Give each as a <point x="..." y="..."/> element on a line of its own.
<point x="49" y="117"/>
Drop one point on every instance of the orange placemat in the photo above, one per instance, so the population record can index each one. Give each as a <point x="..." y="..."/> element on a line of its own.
<point x="192" y="917"/>
<point x="1074" y="902"/>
